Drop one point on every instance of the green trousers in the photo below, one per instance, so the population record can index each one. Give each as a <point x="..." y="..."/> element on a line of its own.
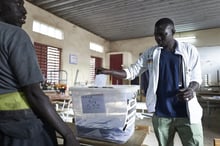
<point x="165" y="129"/>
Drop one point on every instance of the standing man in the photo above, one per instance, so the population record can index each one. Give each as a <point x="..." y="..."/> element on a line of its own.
<point x="27" y="118"/>
<point x="174" y="76"/>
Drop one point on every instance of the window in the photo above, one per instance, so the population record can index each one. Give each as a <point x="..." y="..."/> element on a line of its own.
<point x="49" y="59"/>
<point x="92" y="69"/>
<point x="47" y="30"/>
<point x="96" y="47"/>
<point x="53" y="64"/>
<point x="95" y="62"/>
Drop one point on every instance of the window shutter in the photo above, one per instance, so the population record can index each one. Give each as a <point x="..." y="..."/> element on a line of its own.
<point x="53" y="64"/>
<point x="49" y="59"/>
<point x="41" y="51"/>
<point x="95" y="62"/>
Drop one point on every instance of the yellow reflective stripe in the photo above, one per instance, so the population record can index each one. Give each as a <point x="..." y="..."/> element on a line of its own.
<point x="13" y="101"/>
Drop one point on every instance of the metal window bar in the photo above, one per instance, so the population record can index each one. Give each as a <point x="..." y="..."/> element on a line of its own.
<point x="57" y="76"/>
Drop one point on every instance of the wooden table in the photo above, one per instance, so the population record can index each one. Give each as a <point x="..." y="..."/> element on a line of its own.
<point x="136" y="139"/>
<point x="216" y="141"/>
<point x="208" y="93"/>
<point x="209" y="102"/>
<point x="59" y="100"/>
<point x="54" y="96"/>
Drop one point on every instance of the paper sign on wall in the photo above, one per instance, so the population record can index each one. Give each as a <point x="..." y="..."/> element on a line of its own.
<point x="73" y="59"/>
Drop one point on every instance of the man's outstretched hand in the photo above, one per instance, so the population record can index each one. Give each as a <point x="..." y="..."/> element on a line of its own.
<point x="99" y="70"/>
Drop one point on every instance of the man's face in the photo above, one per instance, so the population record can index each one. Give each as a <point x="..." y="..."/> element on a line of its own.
<point x="13" y="12"/>
<point x="163" y="35"/>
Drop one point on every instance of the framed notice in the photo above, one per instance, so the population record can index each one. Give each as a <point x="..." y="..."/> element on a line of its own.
<point x="73" y="59"/>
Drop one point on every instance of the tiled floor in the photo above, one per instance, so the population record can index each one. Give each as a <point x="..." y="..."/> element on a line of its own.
<point x="211" y="128"/>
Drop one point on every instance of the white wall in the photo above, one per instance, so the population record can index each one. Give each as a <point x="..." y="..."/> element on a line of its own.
<point x="134" y="46"/>
<point x="210" y="61"/>
<point x="76" y="41"/>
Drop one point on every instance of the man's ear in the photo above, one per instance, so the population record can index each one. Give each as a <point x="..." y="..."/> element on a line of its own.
<point x="173" y="31"/>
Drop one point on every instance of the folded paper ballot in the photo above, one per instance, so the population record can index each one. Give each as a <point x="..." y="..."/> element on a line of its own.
<point x="100" y="80"/>
<point x="194" y="111"/>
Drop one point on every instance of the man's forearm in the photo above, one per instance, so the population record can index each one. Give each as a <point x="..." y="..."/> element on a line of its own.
<point x="194" y="86"/>
<point x="115" y="73"/>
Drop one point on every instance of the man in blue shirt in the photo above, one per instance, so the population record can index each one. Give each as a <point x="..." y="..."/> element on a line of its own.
<point x="174" y="76"/>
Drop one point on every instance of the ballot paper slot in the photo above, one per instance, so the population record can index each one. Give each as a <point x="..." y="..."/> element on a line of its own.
<point x="100" y="87"/>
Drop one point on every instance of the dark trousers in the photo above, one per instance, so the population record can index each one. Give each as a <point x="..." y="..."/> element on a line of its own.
<point x="23" y="128"/>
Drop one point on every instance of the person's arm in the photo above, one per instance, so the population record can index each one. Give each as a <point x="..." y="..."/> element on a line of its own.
<point x="42" y="106"/>
<point x="194" y="86"/>
<point x="115" y="73"/>
<point x="134" y="69"/>
<point x="196" y="79"/>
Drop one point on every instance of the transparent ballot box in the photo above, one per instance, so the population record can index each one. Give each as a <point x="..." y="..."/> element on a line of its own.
<point x="105" y="113"/>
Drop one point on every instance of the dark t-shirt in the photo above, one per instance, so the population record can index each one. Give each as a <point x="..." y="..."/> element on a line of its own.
<point x="168" y="104"/>
<point x="18" y="61"/>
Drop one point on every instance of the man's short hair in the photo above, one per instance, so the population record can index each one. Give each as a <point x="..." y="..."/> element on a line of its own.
<point x="165" y="22"/>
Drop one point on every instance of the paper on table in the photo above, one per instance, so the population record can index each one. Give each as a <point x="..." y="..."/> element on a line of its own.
<point x="100" y="80"/>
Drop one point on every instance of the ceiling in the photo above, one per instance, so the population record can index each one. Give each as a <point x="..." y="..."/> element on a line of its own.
<point x="127" y="19"/>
